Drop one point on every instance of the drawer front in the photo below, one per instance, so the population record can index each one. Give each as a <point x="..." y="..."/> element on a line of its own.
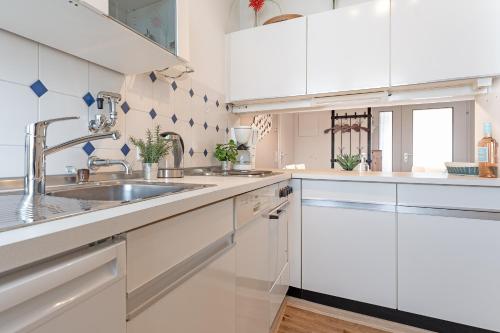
<point x="278" y="292"/>
<point x="253" y="204"/>
<point x="349" y="191"/>
<point x="455" y="197"/>
<point x="154" y="249"/>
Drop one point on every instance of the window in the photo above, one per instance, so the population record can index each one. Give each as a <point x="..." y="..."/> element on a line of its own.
<point x="432" y="139"/>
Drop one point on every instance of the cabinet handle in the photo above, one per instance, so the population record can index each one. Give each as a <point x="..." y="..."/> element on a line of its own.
<point x="380" y="207"/>
<point x="444" y="212"/>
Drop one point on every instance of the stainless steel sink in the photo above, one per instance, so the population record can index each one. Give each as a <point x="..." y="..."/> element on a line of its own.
<point x="124" y="191"/>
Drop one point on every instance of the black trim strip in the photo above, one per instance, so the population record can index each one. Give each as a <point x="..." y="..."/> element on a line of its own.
<point x="406" y="318"/>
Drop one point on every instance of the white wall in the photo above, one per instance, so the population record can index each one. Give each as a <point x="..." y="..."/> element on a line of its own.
<point x="68" y="79"/>
<point x="304" y="7"/>
<point x="488" y="110"/>
<point x="267" y="148"/>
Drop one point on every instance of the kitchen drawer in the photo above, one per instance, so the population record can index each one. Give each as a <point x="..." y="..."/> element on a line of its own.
<point x="376" y="193"/>
<point x="455" y="197"/>
<point x="156" y="248"/>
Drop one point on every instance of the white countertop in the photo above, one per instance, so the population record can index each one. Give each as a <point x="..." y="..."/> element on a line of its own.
<point x="394" y="177"/>
<point x="25" y="245"/>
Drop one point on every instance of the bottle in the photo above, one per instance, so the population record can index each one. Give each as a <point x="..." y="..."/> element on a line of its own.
<point x="488" y="154"/>
<point x="363" y="166"/>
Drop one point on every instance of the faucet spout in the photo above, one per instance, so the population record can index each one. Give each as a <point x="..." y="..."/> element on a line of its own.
<point x="93" y="137"/>
<point x="95" y="163"/>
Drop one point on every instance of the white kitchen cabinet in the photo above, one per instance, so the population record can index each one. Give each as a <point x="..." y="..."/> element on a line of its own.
<point x="444" y="40"/>
<point x="348" y="48"/>
<point x="448" y="267"/>
<point x="349" y="253"/>
<point x="295" y="234"/>
<point x="267" y="61"/>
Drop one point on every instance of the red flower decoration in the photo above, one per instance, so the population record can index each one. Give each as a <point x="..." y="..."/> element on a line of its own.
<point x="256" y="4"/>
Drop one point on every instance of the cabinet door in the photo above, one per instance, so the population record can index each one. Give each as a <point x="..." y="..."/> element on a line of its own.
<point x="348" y="48"/>
<point x="350" y="253"/>
<point x="448" y="268"/>
<point x="268" y="61"/>
<point x="444" y="40"/>
<point x="204" y="303"/>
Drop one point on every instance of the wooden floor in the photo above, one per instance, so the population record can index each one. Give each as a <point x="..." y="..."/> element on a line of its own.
<point x="297" y="320"/>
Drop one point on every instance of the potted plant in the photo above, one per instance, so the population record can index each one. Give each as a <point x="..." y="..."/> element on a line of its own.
<point x="348" y="162"/>
<point x="226" y="153"/>
<point x="152" y="150"/>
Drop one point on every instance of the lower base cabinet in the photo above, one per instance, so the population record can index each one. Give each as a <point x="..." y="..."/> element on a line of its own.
<point x="350" y="253"/>
<point x="449" y="268"/>
<point x="204" y="303"/>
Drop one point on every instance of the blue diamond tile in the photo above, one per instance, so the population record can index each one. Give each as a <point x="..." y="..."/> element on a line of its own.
<point x="174" y="86"/>
<point x="205" y="152"/>
<point x="191" y="122"/>
<point x="174" y="118"/>
<point x="152" y="76"/>
<point x="227" y="107"/>
<point x="217" y="128"/>
<point x="125" y="149"/>
<point x="217" y="103"/>
<point x="39" y="88"/>
<point x="89" y="148"/>
<point x="153" y="113"/>
<point x="125" y="107"/>
<point x="89" y="99"/>
<point x="191" y="152"/>
<point x="191" y="92"/>
<point x="205" y="98"/>
<point x="227" y="130"/>
<point x="205" y="126"/>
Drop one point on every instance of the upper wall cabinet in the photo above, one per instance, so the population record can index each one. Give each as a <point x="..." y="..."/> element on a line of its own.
<point x="136" y="37"/>
<point x="348" y="48"/>
<point x="267" y="62"/>
<point x="444" y="40"/>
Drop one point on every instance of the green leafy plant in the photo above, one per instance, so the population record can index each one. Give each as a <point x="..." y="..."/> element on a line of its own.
<point x="225" y="152"/>
<point x="348" y="162"/>
<point x="154" y="148"/>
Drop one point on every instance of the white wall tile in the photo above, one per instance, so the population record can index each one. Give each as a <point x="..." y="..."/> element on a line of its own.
<point x="139" y="93"/>
<point x="57" y="163"/>
<point x="198" y="110"/>
<point x="13" y="161"/>
<point x="55" y="105"/>
<point x="19" y="107"/>
<point x="182" y="105"/>
<point x="137" y="122"/>
<point x="63" y="73"/>
<point x="163" y="96"/>
<point x="19" y="59"/>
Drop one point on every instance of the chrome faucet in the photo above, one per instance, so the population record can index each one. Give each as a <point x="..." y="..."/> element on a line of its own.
<point x="95" y="163"/>
<point x="36" y="151"/>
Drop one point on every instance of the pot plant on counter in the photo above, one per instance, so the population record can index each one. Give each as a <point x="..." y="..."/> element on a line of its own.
<point x="226" y="153"/>
<point x="151" y="151"/>
<point x="348" y="162"/>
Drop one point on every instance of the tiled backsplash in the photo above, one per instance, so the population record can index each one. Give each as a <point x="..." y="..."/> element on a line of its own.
<point x="38" y="82"/>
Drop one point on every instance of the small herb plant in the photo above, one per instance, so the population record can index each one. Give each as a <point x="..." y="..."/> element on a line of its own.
<point x="348" y="162"/>
<point x="226" y="152"/>
<point x="154" y="148"/>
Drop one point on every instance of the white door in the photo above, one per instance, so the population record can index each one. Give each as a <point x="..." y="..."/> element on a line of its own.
<point x="444" y="40"/>
<point x="267" y="61"/>
<point x="422" y="138"/>
<point x="350" y="253"/>
<point x="348" y="48"/>
<point x="448" y="267"/>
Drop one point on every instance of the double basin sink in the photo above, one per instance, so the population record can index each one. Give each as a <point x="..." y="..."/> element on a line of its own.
<point x="123" y="191"/>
